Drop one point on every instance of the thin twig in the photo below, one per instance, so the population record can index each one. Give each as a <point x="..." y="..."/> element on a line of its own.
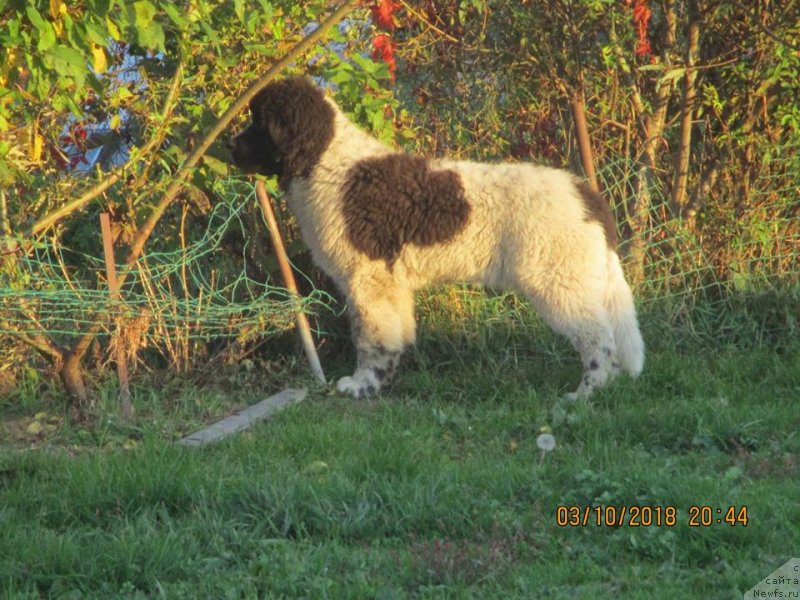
<point x="42" y="345"/>
<point x="427" y="22"/>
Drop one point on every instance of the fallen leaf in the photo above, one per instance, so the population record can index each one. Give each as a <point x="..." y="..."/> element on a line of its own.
<point x="35" y="428"/>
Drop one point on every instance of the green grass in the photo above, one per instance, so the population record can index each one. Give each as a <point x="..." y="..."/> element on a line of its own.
<point x="435" y="489"/>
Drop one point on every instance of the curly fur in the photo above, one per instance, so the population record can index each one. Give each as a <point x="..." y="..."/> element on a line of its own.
<point x="383" y="224"/>
<point x="394" y="200"/>
<point x="598" y="210"/>
<point x="292" y="126"/>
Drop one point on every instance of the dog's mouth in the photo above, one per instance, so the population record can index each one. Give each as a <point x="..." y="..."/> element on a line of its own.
<point x="253" y="161"/>
<point x="239" y="158"/>
<point x="253" y="151"/>
<point x="242" y="155"/>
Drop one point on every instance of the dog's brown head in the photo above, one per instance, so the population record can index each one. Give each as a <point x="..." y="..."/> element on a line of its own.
<point x="291" y="127"/>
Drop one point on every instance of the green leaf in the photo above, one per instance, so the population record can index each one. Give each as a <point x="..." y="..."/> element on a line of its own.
<point x="277" y="26"/>
<point x="97" y="34"/>
<point x="340" y="77"/>
<point x="69" y="25"/>
<point x="262" y="49"/>
<point x="46" y="34"/>
<point x="36" y="19"/>
<point x="238" y="8"/>
<point x="100" y="7"/>
<point x="268" y="9"/>
<point x="151" y="37"/>
<point x="377" y="120"/>
<point x="367" y="65"/>
<point x="216" y="165"/>
<point x="212" y="36"/>
<point x="143" y="13"/>
<point x="176" y="16"/>
<point x="67" y="63"/>
<point x="46" y="40"/>
<point x="113" y="30"/>
<point x="672" y="75"/>
<point x="149" y="32"/>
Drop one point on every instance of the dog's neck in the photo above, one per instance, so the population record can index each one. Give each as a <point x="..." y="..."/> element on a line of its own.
<point x="352" y="142"/>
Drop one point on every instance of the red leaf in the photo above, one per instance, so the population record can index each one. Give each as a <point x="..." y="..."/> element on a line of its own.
<point x="641" y="13"/>
<point x="641" y="18"/>
<point x="383" y="49"/>
<point x="643" y="48"/>
<point x="383" y="12"/>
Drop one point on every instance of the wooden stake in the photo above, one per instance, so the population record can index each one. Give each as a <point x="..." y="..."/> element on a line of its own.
<point x="288" y="279"/>
<point x="584" y="141"/>
<point x="113" y="287"/>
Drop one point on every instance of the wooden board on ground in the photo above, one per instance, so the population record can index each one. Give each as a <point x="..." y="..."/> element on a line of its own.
<point x="245" y="418"/>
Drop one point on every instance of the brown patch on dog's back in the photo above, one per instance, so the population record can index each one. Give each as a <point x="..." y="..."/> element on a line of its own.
<point x="394" y="200"/>
<point x="597" y="209"/>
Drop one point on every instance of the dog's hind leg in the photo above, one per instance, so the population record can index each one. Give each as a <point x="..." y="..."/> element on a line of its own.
<point x="382" y="320"/>
<point x="580" y="315"/>
<point x="594" y="340"/>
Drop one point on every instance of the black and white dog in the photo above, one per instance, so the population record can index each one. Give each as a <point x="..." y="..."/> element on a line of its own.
<point x="383" y="223"/>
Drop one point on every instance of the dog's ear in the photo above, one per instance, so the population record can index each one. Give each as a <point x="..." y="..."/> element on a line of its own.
<point x="277" y="130"/>
<point x="293" y="113"/>
<point x="261" y="110"/>
<point x="269" y="112"/>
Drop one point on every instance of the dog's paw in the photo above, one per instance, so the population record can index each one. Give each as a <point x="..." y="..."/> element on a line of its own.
<point x="357" y="388"/>
<point x="582" y="393"/>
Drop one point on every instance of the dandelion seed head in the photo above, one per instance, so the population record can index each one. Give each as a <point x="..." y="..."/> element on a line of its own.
<point x="546" y="442"/>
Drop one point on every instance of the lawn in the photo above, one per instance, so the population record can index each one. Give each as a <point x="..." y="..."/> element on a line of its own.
<point x="434" y="489"/>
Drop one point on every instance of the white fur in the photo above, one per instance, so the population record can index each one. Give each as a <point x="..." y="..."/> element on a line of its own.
<point x="527" y="230"/>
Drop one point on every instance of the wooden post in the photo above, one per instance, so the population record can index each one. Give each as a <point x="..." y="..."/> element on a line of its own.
<point x="113" y="287"/>
<point x="244" y="418"/>
<point x="288" y="279"/>
<point x="584" y="141"/>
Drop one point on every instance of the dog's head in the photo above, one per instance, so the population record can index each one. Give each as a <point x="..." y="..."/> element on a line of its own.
<point x="292" y="125"/>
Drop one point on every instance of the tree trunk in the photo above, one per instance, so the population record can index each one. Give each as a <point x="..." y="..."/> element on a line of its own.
<point x="679" y="198"/>
<point x="72" y="378"/>
<point x="654" y="129"/>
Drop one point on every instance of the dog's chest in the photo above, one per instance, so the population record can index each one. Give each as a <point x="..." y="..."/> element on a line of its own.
<point x="321" y="226"/>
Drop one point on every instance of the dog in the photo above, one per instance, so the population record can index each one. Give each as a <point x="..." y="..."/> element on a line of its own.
<point x="383" y="224"/>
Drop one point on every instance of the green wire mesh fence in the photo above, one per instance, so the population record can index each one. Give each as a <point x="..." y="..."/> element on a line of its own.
<point x="185" y="291"/>
<point x="733" y="251"/>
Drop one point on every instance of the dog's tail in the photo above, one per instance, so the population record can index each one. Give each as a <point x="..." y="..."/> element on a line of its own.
<point x="620" y="307"/>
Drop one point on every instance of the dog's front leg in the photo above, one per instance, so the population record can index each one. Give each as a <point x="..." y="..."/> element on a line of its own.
<point x="376" y="365"/>
<point x="382" y="320"/>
